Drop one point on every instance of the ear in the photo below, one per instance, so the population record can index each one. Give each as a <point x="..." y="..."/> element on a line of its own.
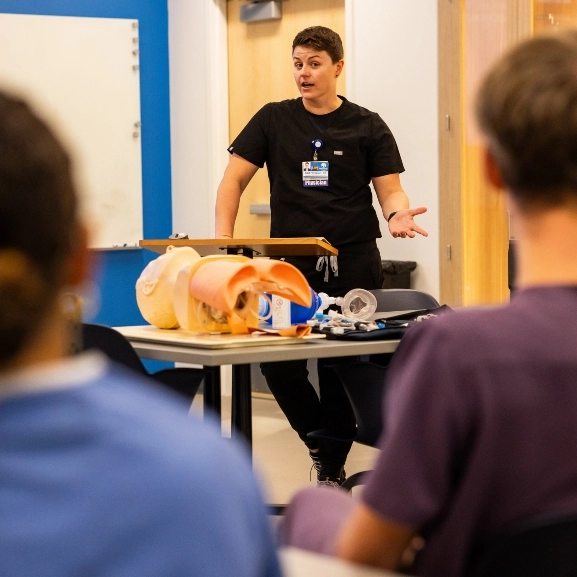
<point x="491" y="169"/>
<point x="340" y="64"/>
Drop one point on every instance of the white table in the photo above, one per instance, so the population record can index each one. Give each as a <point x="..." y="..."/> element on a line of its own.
<point x="154" y="346"/>
<point x="299" y="563"/>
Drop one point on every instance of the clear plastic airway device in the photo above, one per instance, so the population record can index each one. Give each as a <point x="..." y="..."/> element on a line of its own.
<point x="357" y="304"/>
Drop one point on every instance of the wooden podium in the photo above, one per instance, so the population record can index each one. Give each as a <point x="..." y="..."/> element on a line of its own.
<point x="250" y="247"/>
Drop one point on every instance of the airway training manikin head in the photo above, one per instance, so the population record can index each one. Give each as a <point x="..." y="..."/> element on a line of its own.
<point x="42" y="243"/>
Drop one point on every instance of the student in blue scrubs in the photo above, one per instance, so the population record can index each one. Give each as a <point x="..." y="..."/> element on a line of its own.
<point x="101" y="472"/>
<point x="322" y="152"/>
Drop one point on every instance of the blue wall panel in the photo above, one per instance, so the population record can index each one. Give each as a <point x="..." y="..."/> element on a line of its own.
<point x="118" y="270"/>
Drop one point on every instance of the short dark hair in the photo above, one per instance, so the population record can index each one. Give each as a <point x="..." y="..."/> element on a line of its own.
<point x="38" y="221"/>
<point x="527" y="107"/>
<point x="321" y="38"/>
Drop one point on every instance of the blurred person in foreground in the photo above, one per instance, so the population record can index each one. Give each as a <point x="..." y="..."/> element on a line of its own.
<point x="481" y="413"/>
<point x="101" y="472"/>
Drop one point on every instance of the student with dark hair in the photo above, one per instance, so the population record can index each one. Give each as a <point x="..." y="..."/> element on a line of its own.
<point x="101" y="472"/>
<point x="480" y="419"/>
<point x="322" y="152"/>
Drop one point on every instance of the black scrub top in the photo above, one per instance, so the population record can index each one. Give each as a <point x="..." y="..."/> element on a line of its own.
<point x="358" y="146"/>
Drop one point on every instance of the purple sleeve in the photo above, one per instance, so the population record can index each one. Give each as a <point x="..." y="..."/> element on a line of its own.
<point x="313" y="519"/>
<point x="428" y="420"/>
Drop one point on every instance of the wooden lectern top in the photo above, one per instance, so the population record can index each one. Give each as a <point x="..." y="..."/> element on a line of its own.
<point x="248" y="246"/>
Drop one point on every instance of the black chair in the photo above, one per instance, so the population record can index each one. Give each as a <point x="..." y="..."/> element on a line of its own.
<point x="113" y="344"/>
<point x="539" y="548"/>
<point x="389" y="300"/>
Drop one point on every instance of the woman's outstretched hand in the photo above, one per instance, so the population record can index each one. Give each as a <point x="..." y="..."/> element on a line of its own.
<point x="403" y="225"/>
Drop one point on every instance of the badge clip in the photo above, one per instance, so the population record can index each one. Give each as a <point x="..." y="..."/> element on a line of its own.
<point x="317" y="145"/>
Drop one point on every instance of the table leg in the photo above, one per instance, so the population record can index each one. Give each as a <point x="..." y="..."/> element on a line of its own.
<point x="241" y="403"/>
<point x="212" y="399"/>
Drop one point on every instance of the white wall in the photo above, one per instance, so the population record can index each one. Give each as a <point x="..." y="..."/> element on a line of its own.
<point x="198" y="117"/>
<point x="391" y="59"/>
<point x="198" y="110"/>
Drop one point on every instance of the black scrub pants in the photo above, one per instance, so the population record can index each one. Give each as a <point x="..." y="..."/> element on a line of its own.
<point x="359" y="266"/>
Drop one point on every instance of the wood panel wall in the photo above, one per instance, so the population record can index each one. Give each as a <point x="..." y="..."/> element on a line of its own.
<point x="473" y="217"/>
<point x="485" y="230"/>
<point x="450" y="225"/>
<point x="260" y="71"/>
<point x="550" y="16"/>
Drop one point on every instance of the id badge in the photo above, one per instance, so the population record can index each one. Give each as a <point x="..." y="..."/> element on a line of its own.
<point x="316" y="173"/>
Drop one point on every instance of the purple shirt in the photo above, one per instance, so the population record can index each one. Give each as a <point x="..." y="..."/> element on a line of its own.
<point x="480" y="425"/>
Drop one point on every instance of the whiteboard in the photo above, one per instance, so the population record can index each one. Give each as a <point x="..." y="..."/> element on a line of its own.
<point x="82" y="75"/>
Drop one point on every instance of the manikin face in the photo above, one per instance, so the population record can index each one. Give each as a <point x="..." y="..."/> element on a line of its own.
<point x="315" y="73"/>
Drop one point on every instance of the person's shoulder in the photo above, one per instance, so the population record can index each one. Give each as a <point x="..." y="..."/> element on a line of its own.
<point x="283" y="106"/>
<point x="134" y="403"/>
<point x="434" y="354"/>
<point x="276" y="110"/>
<point x="360" y="116"/>
<point x="168" y="444"/>
<point x="288" y="103"/>
<point x="465" y="318"/>
<point x="526" y="308"/>
<point x="461" y="330"/>
<point x="351" y="108"/>
<point x="120" y="384"/>
<point x="149" y="404"/>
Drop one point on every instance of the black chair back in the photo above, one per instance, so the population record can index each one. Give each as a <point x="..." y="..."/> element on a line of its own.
<point x="403" y="300"/>
<point x="185" y="381"/>
<point x="113" y="344"/>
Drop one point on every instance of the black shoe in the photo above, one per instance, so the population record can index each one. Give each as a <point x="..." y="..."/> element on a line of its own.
<point x="332" y="480"/>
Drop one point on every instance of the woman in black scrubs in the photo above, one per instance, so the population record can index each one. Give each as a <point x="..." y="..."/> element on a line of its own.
<point x="322" y="152"/>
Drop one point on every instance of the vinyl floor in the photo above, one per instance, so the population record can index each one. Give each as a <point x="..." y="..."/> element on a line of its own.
<point x="280" y="458"/>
